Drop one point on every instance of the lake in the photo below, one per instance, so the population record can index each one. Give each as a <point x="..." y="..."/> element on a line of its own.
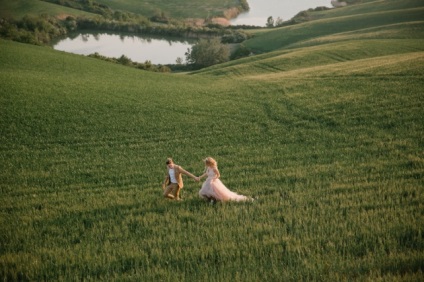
<point x="164" y="50"/>
<point x="260" y="10"/>
<point x="161" y="50"/>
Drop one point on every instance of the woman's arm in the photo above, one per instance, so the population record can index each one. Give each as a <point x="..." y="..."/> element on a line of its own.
<point x="203" y="175"/>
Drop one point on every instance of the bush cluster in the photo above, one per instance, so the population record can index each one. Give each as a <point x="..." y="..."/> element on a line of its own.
<point x="236" y="36"/>
<point x="241" y="52"/>
<point x="244" y="5"/>
<point x="208" y="52"/>
<point x="41" y="30"/>
<point x="34" y="30"/>
<point x="124" y="60"/>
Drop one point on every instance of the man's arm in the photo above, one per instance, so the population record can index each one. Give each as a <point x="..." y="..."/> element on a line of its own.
<point x="183" y="171"/>
<point x="165" y="181"/>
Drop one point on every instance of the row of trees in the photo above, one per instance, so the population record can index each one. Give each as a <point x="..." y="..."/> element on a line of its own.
<point x="270" y="22"/>
<point x="41" y="30"/>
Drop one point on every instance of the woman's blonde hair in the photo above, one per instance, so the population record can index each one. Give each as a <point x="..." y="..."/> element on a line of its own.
<point x="210" y="162"/>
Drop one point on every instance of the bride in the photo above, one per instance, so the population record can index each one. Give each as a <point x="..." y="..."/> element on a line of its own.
<point x="213" y="189"/>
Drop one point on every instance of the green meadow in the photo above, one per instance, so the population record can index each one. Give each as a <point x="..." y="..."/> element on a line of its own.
<point x="178" y="9"/>
<point x="17" y="9"/>
<point x="324" y="128"/>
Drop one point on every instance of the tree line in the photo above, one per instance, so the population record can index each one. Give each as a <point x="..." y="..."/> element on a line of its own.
<point x="42" y="29"/>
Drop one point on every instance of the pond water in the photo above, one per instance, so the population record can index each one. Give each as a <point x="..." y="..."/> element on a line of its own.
<point x="165" y="50"/>
<point x="138" y="48"/>
<point x="260" y="10"/>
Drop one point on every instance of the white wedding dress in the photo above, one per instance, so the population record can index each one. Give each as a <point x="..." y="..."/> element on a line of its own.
<point x="214" y="189"/>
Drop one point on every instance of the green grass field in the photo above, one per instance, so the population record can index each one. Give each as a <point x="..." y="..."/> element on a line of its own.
<point x="176" y="8"/>
<point x="16" y="9"/>
<point x="335" y="24"/>
<point x="179" y="9"/>
<point x="326" y="133"/>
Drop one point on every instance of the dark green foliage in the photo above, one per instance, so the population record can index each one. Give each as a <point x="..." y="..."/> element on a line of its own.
<point x="208" y="52"/>
<point x="34" y="30"/>
<point x="244" y="5"/>
<point x="124" y="60"/>
<point x="236" y="36"/>
<point x="240" y="52"/>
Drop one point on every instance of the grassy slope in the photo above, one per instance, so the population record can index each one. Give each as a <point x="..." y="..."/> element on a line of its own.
<point x="366" y="7"/>
<point x="175" y="9"/>
<point x="280" y="62"/>
<point x="19" y="8"/>
<point x="350" y="21"/>
<point x="331" y="143"/>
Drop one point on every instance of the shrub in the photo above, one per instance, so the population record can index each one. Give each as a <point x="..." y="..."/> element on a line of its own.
<point x="208" y="52"/>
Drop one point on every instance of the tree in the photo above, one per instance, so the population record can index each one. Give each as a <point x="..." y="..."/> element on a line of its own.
<point x="244" y="5"/>
<point x="208" y="52"/>
<point x="124" y="60"/>
<point x="270" y="22"/>
<point x="179" y="61"/>
<point x="279" y="22"/>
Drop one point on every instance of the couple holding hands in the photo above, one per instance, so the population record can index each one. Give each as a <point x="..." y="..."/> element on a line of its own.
<point x="212" y="189"/>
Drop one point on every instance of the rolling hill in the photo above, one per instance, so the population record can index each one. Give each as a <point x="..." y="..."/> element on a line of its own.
<point x="324" y="128"/>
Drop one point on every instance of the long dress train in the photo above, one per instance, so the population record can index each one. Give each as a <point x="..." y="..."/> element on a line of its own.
<point x="214" y="189"/>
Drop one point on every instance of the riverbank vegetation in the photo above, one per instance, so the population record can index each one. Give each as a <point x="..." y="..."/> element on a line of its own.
<point x="124" y="60"/>
<point x="41" y="29"/>
<point x="324" y="130"/>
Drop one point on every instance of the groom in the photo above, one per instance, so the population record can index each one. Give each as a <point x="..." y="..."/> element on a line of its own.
<point x="173" y="182"/>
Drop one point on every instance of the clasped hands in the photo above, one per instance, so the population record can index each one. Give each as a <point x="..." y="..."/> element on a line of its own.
<point x="197" y="178"/>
